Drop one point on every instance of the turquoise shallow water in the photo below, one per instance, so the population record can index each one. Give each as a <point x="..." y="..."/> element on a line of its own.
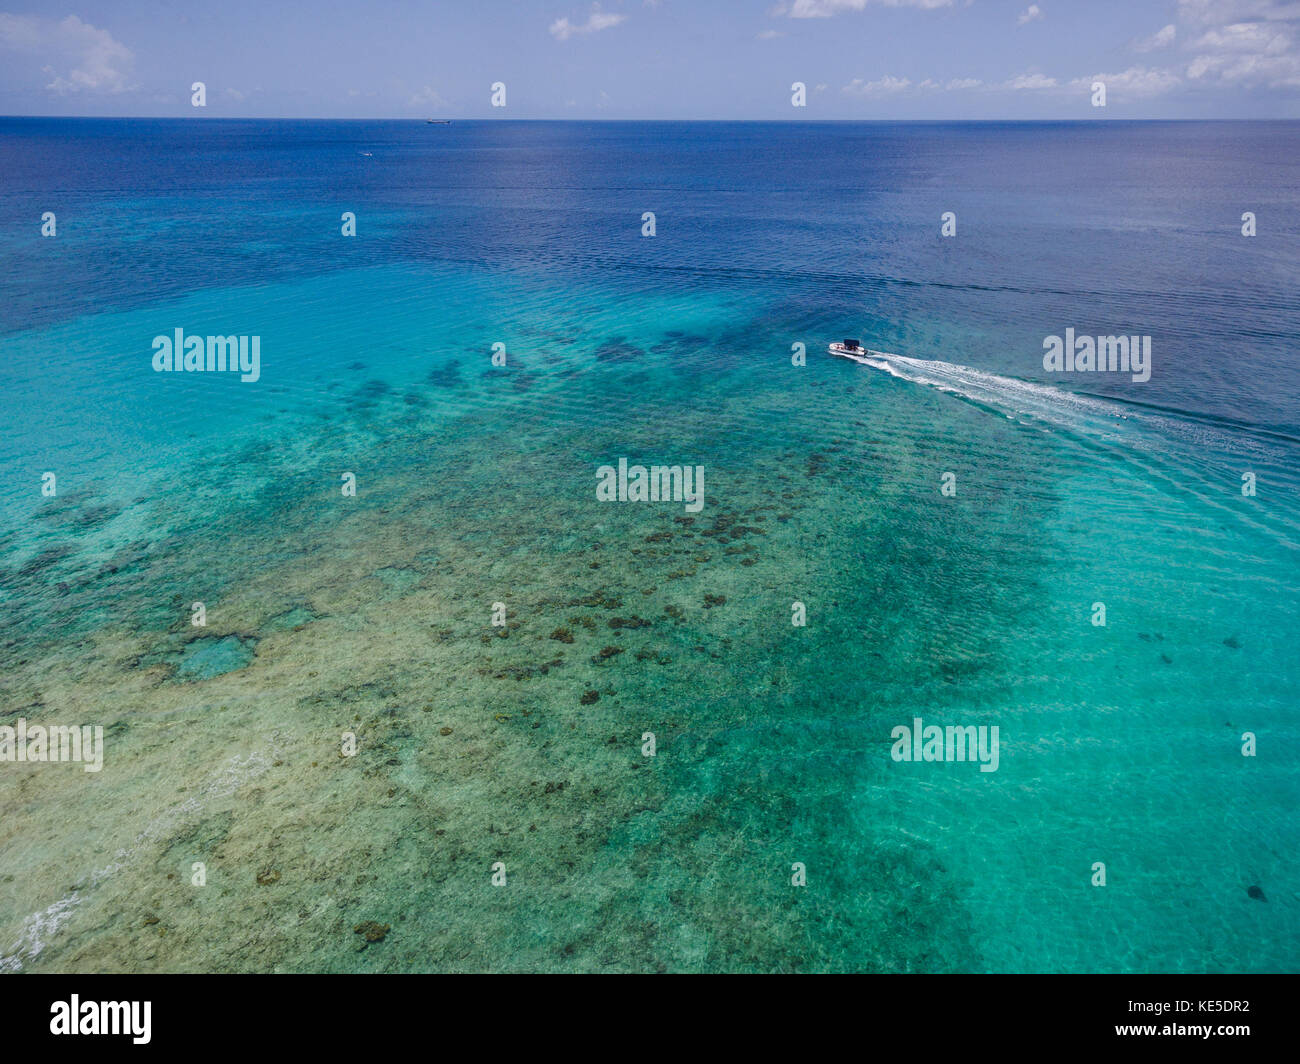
<point x="521" y="744"/>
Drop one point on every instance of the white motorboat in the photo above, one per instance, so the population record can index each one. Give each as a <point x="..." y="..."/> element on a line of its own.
<point x="854" y="349"/>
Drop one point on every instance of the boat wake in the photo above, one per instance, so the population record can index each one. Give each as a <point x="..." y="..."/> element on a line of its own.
<point x="1083" y="413"/>
<point x="1010" y="396"/>
<point x="1178" y="451"/>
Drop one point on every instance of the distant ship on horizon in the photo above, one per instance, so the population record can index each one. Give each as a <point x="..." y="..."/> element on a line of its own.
<point x="437" y="121"/>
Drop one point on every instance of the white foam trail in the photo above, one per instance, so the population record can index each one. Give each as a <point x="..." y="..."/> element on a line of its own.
<point x="1091" y="421"/>
<point x="990" y="389"/>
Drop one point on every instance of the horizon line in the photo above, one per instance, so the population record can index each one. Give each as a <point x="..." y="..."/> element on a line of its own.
<point x="493" y="118"/>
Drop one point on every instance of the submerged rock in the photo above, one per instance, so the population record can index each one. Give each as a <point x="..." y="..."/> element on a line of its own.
<point x="597" y="600"/>
<point x="372" y="931"/>
<point x="617" y="349"/>
<point x="445" y="376"/>
<point x="373" y="389"/>
<point x="45" y="559"/>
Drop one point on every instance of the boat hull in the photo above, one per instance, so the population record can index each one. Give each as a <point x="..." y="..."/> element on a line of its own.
<point x="856" y="353"/>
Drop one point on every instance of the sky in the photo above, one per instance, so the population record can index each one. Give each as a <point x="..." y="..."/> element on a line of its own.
<point x="653" y="59"/>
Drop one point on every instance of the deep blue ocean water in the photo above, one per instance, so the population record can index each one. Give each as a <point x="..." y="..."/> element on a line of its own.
<point x="1120" y="744"/>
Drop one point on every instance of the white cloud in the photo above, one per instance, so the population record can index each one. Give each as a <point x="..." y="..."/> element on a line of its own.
<point x="1279" y="71"/>
<point x="891" y="86"/>
<point x="1031" y="81"/>
<point x="1136" y="81"/>
<point x="886" y="86"/>
<point x="827" y="8"/>
<point x="1255" y="37"/>
<point x="1231" y="43"/>
<point x="427" y="97"/>
<point x="1246" y="43"/>
<point x="79" y="57"/>
<point x="1160" y="39"/>
<point x="562" y="29"/>
<point x="770" y="35"/>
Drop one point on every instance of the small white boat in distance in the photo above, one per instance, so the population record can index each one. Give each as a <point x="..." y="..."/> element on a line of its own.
<point x="853" y="349"/>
